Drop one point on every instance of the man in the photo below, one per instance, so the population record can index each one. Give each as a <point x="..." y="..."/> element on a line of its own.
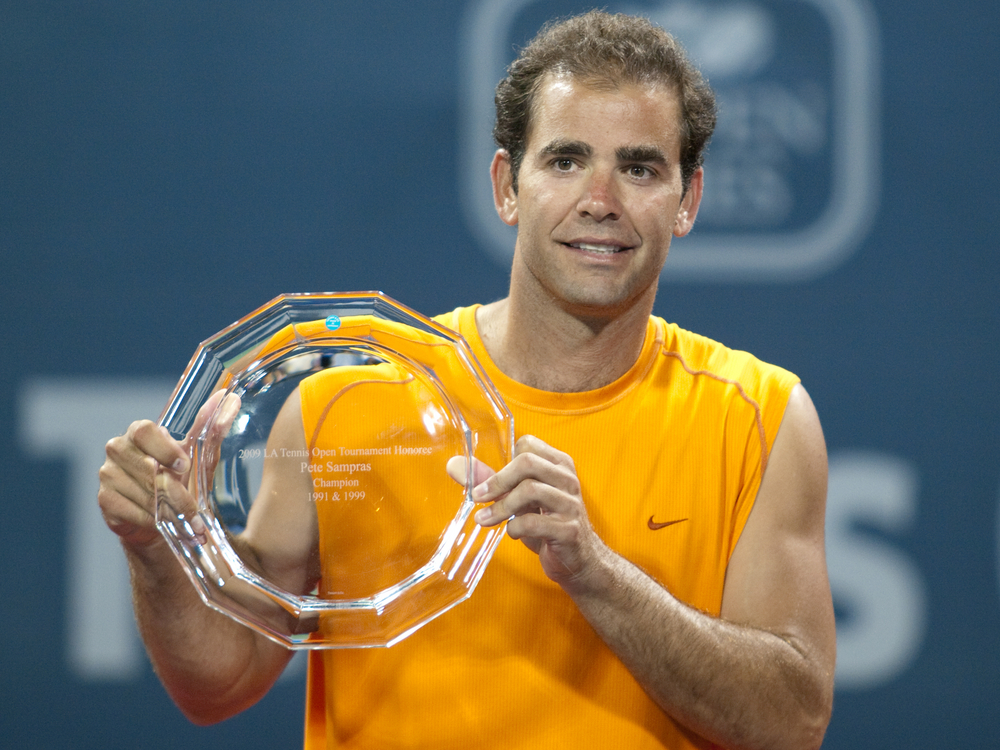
<point x="671" y="587"/>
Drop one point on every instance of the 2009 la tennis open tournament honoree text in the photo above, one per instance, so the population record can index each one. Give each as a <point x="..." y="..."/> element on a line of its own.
<point x="328" y="488"/>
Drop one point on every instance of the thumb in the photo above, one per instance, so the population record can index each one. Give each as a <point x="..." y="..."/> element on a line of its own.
<point x="458" y="469"/>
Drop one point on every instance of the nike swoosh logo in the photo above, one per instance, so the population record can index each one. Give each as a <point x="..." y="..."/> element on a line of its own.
<point x="654" y="526"/>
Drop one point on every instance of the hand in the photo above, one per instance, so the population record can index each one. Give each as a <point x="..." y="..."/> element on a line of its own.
<point x="130" y="476"/>
<point x="540" y="493"/>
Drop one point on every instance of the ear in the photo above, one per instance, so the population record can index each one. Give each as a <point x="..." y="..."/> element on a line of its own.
<point x="688" y="210"/>
<point x="504" y="197"/>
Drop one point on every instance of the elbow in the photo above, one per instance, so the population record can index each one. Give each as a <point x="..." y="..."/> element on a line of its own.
<point x="802" y="732"/>
<point x="810" y="685"/>
<point x="206" y="707"/>
<point x="210" y="694"/>
<point x="804" y="714"/>
<point x="821" y="722"/>
<point x="812" y="733"/>
<point x="204" y="712"/>
<point x="816" y="709"/>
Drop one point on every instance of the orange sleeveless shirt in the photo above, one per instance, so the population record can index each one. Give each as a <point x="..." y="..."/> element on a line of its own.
<point x="670" y="457"/>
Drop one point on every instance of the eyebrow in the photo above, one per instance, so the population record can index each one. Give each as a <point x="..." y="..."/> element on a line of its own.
<point x="642" y="154"/>
<point x="648" y="154"/>
<point x="562" y="147"/>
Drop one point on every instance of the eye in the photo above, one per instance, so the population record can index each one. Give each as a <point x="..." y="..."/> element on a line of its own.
<point x="563" y="165"/>
<point x="639" y="171"/>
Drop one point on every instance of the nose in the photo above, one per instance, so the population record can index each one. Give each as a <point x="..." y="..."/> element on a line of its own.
<point x="600" y="200"/>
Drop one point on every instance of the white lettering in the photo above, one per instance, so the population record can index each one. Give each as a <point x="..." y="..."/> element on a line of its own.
<point x="73" y="419"/>
<point x="875" y="585"/>
<point x="384" y="451"/>
<point x="402" y="450"/>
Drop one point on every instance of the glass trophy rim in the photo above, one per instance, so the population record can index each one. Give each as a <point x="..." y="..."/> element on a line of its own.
<point x="209" y="371"/>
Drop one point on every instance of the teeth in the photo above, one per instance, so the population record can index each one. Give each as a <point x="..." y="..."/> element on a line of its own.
<point x="608" y="249"/>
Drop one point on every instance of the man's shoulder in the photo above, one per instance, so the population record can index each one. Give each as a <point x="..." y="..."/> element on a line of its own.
<point x="701" y="355"/>
<point x="461" y="320"/>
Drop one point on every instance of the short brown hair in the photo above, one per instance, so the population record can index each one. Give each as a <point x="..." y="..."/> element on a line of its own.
<point x="603" y="47"/>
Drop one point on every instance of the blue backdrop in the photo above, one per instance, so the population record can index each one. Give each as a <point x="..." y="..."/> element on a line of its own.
<point x="167" y="167"/>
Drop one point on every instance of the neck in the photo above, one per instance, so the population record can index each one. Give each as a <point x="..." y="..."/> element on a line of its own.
<point x="560" y="350"/>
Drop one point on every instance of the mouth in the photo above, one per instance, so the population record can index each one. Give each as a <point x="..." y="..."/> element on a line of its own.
<point x="596" y="247"/>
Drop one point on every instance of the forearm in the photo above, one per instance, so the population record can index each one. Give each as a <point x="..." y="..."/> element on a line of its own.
<point x="211" y="666"/>
<point x="738" y="686"/>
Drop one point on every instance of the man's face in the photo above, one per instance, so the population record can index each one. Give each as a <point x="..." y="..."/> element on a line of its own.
<point x="599" y="194"/>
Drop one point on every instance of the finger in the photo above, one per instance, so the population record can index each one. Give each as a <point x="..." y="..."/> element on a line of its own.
<point x="228" y="410"/>
<point x="126" y="505"/>
<point x="529" y="497"/>
<point x="502" y="482"/>
<point x="457" y="468"/>
<point x="156" y="442"/>
<point x="123" y="453"/>
<point x="528" y="466"/>
<point x="542" y="527"/>
<point x="205" y="412"/>
<point x="538" y="447"/>
<point x="226" y="413"/>
<point x="177" y="506"/>
<point x="120" y="482"/>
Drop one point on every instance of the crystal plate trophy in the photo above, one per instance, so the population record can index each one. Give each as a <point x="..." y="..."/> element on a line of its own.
<point x="319" y="509"/>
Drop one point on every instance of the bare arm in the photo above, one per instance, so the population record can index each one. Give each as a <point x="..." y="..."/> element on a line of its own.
<point x="761" y="675"/>
<point x="282" y="532"/>
<point x="212" y="666"/>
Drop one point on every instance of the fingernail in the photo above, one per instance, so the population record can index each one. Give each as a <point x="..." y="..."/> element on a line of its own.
<point x="483" y="516"/>
<point x="180" y="465"/>
<point x="479" y="490"/>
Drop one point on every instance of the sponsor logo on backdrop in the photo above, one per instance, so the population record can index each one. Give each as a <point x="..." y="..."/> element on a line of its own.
<point x="792" y="173"/>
